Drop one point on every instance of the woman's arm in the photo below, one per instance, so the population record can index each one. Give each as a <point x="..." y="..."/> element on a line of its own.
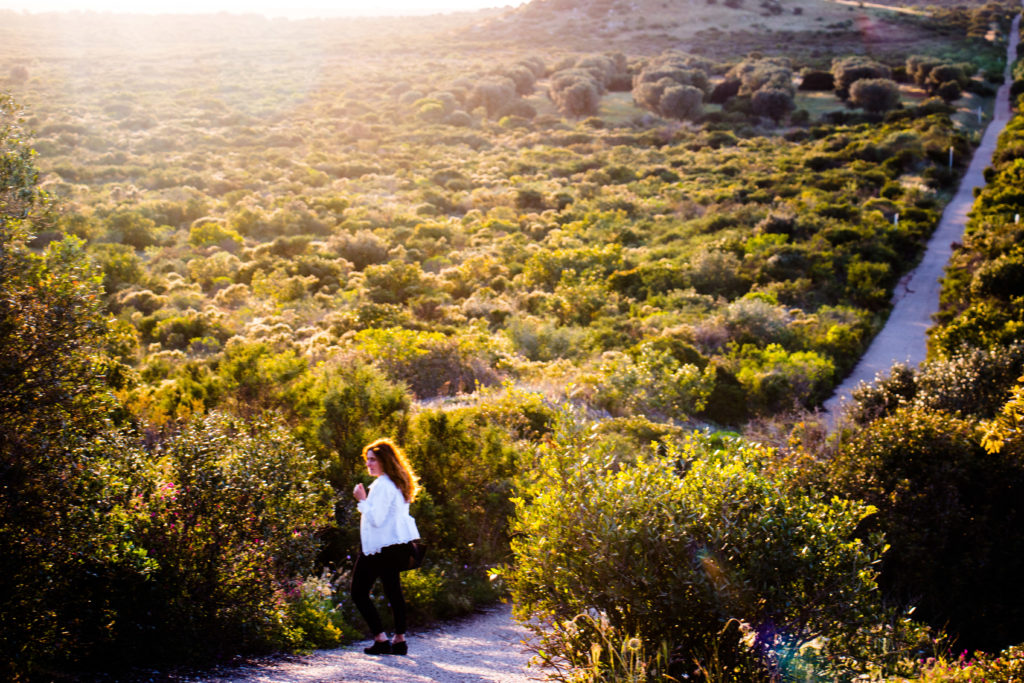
<point x="377" y="506"/>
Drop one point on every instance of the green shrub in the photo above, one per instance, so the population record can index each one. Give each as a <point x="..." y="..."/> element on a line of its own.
<point x="313" y="622"/>
<point x="876" y="95"/>
<point x="428" y="363"/>
<point x="972" y="383"/>
<point x="396" y="282"/>
<point x="717" y="272"/>
<point x="231" y="517"/>
<point x="466" y="466"/>
<point x="951" y="513"/>
<point x="949" y="91"/>
<point x="774" y="103"/>
<point x="213" y="233"/>
<point x="984" y="324"/>
<point x="675" y="548"/>
<point x="849" y="70"/>
<point x="64" y="466"/>
<point x="1001" y="278"/>
<point x="129" y="227"/>
<point x="773" y="375"/>
<point x="651" y="381"/>
<point x="120" y="266"/>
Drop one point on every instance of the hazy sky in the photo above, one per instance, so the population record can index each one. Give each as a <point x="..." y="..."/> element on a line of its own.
<point x="297" y="8"/>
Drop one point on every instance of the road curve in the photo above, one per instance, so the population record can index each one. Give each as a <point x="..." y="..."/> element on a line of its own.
<point x="903" y="339"/>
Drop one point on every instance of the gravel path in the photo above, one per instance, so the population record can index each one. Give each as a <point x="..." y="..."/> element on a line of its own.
<point x="916" y="299"/>
<point x="485" y="647"/>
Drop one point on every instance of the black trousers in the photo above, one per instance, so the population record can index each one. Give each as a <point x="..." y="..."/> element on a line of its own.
<point x="382" y="565"/>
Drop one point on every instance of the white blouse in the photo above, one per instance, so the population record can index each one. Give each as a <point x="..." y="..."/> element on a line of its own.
<point x="385" y="517"/>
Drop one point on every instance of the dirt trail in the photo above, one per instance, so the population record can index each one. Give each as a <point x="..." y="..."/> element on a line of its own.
<point x="874" y="5"/>
<point x="484" y="648"/>
<point x="916" y="299"/>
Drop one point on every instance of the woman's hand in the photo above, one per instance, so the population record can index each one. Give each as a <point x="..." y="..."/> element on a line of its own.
<point x="359" y="492"/>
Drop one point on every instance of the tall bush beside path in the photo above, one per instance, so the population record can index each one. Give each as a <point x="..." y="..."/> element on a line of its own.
<point x="52" y="493"/>
<point x="951" y="512"/>
<point x="230" y="520"/>
<point x="707" y="547"/>
<point x="113" y="547"/>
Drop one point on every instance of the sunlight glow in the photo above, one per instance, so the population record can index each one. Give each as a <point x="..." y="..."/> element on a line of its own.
<point x="270" y="8"/>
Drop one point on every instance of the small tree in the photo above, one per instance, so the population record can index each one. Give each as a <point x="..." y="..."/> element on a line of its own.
<point x="682" y="102"/>
<point x="673" y="85"/>
<point x="949" y="91"/>
<point x="761" y="73"/>
<point x="724" y="91"/>
<point x="945" y="73"/>
<point x="522" y="76"/>
<point x="875" y="95"/>
<point x="774" y="103"/>
<point x="849" y="70"/>
<point x="494" y="94"/>
<point x="920" y="66"/>
<point x="575" y="92"/>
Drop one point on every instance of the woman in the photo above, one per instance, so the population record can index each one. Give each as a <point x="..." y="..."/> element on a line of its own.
<point x="384" y="531"/>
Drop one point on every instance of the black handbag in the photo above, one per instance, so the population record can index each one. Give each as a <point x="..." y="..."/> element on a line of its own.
<point x="417" y="549"/>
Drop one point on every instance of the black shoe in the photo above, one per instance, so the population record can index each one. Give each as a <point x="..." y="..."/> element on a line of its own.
<point x="379" y="647"/>
<point x="401" y="648"/>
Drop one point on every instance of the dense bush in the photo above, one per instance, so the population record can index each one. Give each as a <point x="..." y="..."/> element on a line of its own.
<point x="706" y="549"/>
<point x="951" y="513"/>
<point x="228" y="519"/>
<point x="774" y="103"/>
<point x="848" y="70"/>
<point x="876" y="95"/>
<point x="672" y="85"/>
<point x="973" y="383"/>
<point x="576" y="92"/>
<point x="494" y="93"/>
<point x="52" y="336"/>
<point x="949" y="91"/>
<point x="651" y="381"/>
<point x="756" y="74"/>
<point x="466" y="467"/>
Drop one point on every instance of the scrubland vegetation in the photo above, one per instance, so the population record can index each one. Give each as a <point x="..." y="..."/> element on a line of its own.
<point x="556" y="273"/>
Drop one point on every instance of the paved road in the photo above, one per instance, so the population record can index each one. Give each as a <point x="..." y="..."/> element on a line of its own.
<point x="916" y="299"/>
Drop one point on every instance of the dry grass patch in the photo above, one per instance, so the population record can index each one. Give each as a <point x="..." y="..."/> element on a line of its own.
<point x="818" y="104"/>
<point x="619" y="108"/>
